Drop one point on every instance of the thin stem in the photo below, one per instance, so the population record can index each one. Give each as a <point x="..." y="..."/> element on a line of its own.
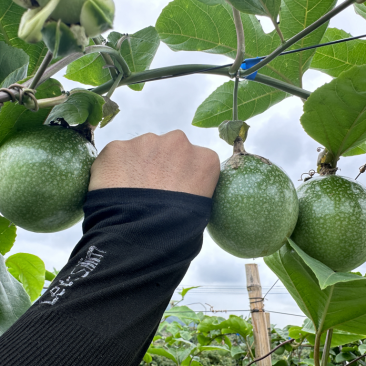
<point x="281" y="85"/>
<point x="106" y="57"/>
<point x="317" y="349"/>
<point x="51" y="102"/>
<point x="299" y="36"/>
<point x="249" y="348"/>
<point x="269" y="353"/>
<point x="278" y="30"/>
<point x="240" y="53"/>
<point x="235" y="104"/>
<point x="46" y="61"/>
<point x="326" y="348"/>
<point x="114" y="86"/>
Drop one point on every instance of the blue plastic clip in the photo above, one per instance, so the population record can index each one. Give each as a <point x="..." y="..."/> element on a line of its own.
<point x="248" y="63"/>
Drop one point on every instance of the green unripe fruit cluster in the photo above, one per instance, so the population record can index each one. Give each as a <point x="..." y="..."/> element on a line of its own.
<point x="44" y="178"/>
<point x="332" y="221"/>
<point x="255" y="207"/>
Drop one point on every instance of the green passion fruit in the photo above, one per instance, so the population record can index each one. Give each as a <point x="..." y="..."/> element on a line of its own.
<point x="332" y="221"/>
<point x="255" y="207"/>
<point x="44" y="178"/>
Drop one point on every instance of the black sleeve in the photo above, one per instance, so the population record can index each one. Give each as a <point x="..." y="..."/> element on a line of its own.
<point x="105" y="305"/>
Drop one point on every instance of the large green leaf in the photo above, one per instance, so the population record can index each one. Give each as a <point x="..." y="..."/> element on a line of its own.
<point x="138" y="51"/>
<point x="8" y="233"/>
<point x="334" y="114"/>
<point x="10" y="15"/>
<point x="341" y="306"/>
<point x="325" y="275"/>
<point x="14" y="117"/>
<point x="82" y="106"/>
<point x="253" y="99"/>
<point x="29" y="270"/>
<point x="14" y="300"/>
<point x="360" y="9"/>
<point x="13" y="65"/>
<point x="190" y="25"/>
<point x="339" y="57"/>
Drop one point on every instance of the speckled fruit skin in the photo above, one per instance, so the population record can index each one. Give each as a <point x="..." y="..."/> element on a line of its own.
<point x="44" y="178"/>
<point x="332" y="221"/>
<point x="255" y="208"/>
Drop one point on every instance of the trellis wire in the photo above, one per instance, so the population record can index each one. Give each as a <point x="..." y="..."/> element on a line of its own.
<point x="261" y="58"/>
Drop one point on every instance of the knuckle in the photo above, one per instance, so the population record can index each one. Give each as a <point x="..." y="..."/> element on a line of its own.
<point x="177" y="135"/>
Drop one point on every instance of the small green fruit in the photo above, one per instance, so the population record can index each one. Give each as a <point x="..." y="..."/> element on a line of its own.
<point x="332" y="221"/>
<point x="44" y="178"/>
<point x="280" y="351"/>
<point x="255" y="207"/>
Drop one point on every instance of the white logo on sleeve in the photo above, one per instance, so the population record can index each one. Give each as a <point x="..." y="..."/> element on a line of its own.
<point x="81" y="270"/>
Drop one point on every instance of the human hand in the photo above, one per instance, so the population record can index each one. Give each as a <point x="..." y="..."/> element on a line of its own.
<point x="168" y="162"/>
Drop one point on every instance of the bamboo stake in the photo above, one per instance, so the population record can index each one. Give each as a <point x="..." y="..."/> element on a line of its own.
<point x="258" y="315"/>
<point x="268" y="321"/>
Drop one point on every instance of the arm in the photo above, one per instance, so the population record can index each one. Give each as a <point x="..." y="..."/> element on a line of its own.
<point x="144" y="219"/>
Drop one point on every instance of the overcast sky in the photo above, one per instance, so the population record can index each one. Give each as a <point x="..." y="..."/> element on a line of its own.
<point x="171" y="104"/>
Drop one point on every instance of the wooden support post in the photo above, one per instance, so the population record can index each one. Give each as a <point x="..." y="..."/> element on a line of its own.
<point x="269" y="330"/>
<point x="258" y="316"/>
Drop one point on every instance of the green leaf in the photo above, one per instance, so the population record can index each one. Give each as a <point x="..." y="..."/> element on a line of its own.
<point x="147" y="358"/>
<point x="49" y="276"/>
<point x="253" y="99"/>
<point x="362" y="348"/>
<point x="358" y="150"/>
<point x="213" y="348"/>
<point x="338" y="339"/>
<point x="82" y="106"/>
<point x="13" y="65"/>
<point x="14" y="300"/>
<point x="88" y="70"/>
<point x="345" y="356"/>
<point x="184" y="292"/>
<point x="110" y="110"/>
<point x="236" y="351"/>
<point x="296" y="333"/>
<point x="8" y="233"/>
<point x="334" y="114"/>
<point x="14" y="117"/>
<point x="269" y="8"/>
<point x="10" y="15"/>
<point x="162" y="352"/>
<point x="30" y="271"/>
<point x="336" y="58"/>
<point x="234" y="323"/>
<point x="184" y="313"/>
<point x="341" y="306"/>
<point x="190" y="25"/>
<point x="325" y="275"/>
<point x="138" y="50"/>
<point x="360" y="9"/>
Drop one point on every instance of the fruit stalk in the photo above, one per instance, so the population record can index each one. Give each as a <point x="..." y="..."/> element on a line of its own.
<point x="235" y="103"/>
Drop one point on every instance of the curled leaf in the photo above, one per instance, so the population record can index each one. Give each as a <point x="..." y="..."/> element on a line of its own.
<point x="230" y="130"/>
<point x="33" y="21"/>
<point x="62" y="40"/>
<point x="110" y="110"/>
<point x="97" y="16"/>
